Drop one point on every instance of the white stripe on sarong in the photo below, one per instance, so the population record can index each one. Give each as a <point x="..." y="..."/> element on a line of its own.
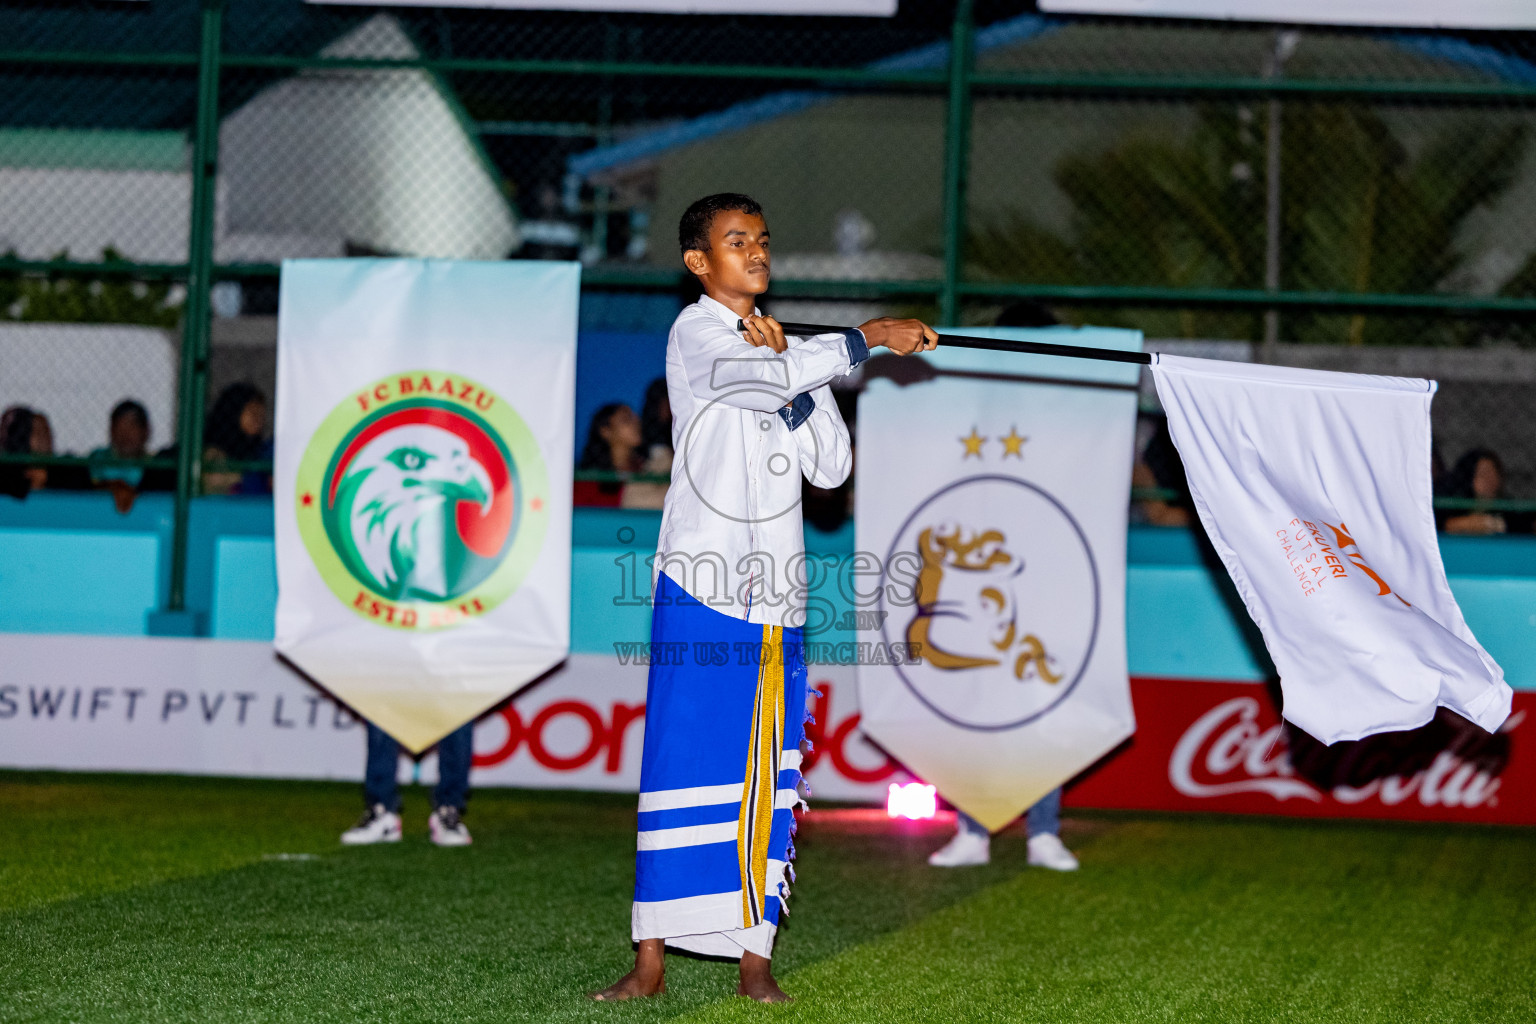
<point x="693" y="923"/>
<point x="786" y="798"/>
<point x="696" y="796"/>
<point x="687" y="835"/>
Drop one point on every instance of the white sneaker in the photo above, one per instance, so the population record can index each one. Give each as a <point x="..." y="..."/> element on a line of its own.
<point x="377" y="825"/>
<point x="448" y="828"/>
<point x="1047" y="851"/>
<point x="965" y="850"/>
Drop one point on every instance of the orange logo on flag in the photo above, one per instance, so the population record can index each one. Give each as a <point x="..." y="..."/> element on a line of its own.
<point x="1351" y="550"/>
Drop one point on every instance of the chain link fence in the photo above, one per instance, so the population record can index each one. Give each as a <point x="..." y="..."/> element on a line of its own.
<point x="95" y="203"/>
<point x="1310" y="195"/>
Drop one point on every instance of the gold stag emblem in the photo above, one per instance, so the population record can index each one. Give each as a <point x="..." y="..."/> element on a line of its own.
<point x="967" y="610"/>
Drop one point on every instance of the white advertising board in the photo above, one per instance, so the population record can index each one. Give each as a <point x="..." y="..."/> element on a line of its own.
<point x="221" y="707"/>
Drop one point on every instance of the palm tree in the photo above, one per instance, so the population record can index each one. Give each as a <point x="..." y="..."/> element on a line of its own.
<point x="1360" y="213"/>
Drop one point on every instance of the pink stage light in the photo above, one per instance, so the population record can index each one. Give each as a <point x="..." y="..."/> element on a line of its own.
<point x="915" y="801"/>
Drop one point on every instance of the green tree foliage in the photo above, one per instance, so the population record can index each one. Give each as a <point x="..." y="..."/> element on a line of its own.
<point x="74" y="299"/>
<point x="1361" y="212"/>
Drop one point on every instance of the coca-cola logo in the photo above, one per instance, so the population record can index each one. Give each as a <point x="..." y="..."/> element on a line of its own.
<point x="1226" y="751"/>
<point x="1235" y="748"/>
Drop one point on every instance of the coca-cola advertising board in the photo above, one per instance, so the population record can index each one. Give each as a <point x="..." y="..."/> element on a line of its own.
<point x="1204" y="746"/>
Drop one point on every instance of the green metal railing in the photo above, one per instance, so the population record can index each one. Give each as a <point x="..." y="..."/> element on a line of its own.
<point x="958" y="83"/>
<point x="608" y="476"/>
<point x="193" y="392"/>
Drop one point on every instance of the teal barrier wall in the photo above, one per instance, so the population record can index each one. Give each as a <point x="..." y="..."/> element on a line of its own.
<point x="69" y="563"/>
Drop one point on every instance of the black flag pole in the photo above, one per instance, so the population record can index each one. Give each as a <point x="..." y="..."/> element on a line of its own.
<point x="1039" y="348"/>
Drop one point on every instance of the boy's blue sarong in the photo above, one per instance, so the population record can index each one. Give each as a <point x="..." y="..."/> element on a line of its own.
<point x="719" y="778"/>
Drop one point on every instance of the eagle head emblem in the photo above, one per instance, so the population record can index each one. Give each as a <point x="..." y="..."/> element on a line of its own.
<point x="398" y="511"/>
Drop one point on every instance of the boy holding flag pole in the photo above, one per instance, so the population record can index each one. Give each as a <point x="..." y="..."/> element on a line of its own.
<point x="752" y="414"/>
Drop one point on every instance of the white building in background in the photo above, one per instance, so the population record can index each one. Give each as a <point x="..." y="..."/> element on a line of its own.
<point x="82" y="191"/>
<point x="314" y="165"/>
<point x="382" y="161"/>
<point x="75" y="373"/>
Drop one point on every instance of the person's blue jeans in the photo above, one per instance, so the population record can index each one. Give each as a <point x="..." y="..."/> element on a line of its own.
<point x="454" y="752"/>
<point x="1042" y="819"/>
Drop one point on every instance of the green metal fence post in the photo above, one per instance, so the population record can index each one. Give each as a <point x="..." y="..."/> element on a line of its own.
<point x="957" y="158"/>
<point x="176" y="619"/>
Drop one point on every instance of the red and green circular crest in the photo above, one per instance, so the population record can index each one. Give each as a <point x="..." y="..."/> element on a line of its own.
<point x="422" y="500"/>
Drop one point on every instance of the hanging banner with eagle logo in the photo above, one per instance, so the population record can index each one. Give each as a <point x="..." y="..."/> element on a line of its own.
<point x="1315" y="490"/>
<point x="422" y="482"/>
<point x="995" y="497"/>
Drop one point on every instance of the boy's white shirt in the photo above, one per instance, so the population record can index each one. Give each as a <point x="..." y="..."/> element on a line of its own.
<point x="731" y="532"/>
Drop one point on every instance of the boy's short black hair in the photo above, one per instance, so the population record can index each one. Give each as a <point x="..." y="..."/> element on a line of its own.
<point x="693" y="229"/>
<point x="128" y="407"/>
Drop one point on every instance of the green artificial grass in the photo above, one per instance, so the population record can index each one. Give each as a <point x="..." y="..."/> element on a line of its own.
<point x="159" y="899"/>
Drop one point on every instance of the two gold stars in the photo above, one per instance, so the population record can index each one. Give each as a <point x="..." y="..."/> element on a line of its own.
<point x="1013" y="443"/>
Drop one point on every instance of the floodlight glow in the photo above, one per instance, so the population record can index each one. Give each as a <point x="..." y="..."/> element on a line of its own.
<point x="915" y="801"/>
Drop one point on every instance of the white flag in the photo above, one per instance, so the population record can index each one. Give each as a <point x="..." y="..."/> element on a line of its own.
<point x="995" y="500"/>
<point x="1314" y="488"/>
<point x="422" y="482"/>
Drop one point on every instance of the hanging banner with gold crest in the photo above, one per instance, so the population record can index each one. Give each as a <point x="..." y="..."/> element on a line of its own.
<point x="995" y="496"/>
<point x="422" y="482"/>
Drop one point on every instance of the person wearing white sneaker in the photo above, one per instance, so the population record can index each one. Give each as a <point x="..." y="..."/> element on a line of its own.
<point x="377" y="825"/>
<point x="972" y="843"/>
<point x="380" y="823"/>
<point x="447" y="827"/>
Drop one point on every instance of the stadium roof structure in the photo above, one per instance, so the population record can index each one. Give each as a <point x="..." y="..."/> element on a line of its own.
<point x="1455" y="51"/>
<point x="813" y="154"/>
<point x="780" y="104"/>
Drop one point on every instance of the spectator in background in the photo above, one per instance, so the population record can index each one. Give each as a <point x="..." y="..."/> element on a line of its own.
<point x="24" y="431"/>
<point x="1160" y="467"/>
<point x="161" y="478"/>
<point x="236" y="431"/>
<point x="613" y="445"/>
<point x="1027" y="313"/>
<point x="656" y="418"/>
<point x="53" y="478"/>
<point x="828" y="509"/>
<point x="655" y="448"/>
<point x="1438" y="473"/>
<point x="128" y="438"/>
<point x="1479" y="475"/>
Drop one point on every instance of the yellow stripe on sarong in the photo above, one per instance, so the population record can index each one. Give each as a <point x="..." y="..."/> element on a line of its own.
<point x="755" y="824"/>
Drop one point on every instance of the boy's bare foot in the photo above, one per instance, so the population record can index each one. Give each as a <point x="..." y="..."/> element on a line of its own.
<point x="637" y="984"/>
<point x="648" y="978"/>
<point x="757" y="980"/>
